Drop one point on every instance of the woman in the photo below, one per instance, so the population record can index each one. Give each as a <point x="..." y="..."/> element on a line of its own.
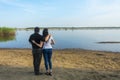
<point x="47" y="50"/>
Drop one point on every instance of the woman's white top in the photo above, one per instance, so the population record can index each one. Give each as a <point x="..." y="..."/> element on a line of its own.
<point x="47" y="45"/>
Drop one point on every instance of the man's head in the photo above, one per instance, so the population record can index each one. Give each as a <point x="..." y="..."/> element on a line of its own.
<point x="36" y="29"/>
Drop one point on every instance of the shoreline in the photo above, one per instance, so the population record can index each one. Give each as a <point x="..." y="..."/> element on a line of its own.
<point x="62" y="49"/>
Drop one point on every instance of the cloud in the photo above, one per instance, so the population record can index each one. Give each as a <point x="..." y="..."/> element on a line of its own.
<point x="25" y="7"/>
<point x="103" y="13"/>
<point x="100" y="6"/>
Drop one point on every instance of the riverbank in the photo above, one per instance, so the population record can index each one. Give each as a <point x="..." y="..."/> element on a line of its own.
<point x="68" y="64"/>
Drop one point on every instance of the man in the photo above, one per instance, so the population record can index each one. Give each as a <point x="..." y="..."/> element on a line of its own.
<point x="36" y="51"/>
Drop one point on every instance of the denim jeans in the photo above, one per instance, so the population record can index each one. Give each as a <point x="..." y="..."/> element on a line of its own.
<point x="37" y="56"/>
<point x="47" y="53"/>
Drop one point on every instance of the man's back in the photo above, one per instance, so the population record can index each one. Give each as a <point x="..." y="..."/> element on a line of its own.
<point x="37" y="38"/>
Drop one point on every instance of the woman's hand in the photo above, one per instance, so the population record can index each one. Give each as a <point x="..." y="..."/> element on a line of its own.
<point x="33" y="41"/>
<point x="52" y="42"/>
<point x="49" y="35"/>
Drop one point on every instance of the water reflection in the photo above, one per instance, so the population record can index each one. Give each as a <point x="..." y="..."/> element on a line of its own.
<point x="7" y="38"/>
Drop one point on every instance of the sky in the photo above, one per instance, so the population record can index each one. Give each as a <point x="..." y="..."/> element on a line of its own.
<point x="59" y="13"/>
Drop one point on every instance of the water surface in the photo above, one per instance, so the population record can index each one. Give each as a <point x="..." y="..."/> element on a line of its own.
<point x="85" y="39"/>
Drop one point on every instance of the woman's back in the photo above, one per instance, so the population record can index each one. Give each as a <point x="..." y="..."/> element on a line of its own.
<point x="48" y="43"/>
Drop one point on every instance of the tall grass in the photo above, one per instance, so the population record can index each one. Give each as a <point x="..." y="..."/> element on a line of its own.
<point x="5" y="31"/>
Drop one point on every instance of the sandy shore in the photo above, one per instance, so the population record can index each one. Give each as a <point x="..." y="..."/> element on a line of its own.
<point x="68" y="64"/>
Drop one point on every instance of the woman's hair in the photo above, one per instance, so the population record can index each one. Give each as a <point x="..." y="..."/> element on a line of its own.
<point x="45" y="32"/>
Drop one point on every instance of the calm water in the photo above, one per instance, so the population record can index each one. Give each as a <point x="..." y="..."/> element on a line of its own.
<point x="85" y="39"/>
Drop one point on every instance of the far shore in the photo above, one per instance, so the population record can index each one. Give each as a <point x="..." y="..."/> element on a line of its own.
<point x="68" y="64"/>
<point x="73" y="27"/>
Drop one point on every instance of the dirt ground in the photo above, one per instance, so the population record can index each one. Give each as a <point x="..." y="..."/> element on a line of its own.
<point x="68" y="64"/>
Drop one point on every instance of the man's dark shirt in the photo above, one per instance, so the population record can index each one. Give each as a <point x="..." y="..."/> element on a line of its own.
<point x="37" y="38"/>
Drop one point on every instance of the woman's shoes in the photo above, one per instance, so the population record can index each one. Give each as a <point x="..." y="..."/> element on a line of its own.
<point x="49" y="73"/>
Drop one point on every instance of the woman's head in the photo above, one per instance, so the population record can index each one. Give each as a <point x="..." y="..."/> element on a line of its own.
<point x="45" y="32"/>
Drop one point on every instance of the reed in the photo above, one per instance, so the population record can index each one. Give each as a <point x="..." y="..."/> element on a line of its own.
<point x="5" y="31"/>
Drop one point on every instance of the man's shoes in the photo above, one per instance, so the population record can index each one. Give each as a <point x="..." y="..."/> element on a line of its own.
<point x="49" y="73"/>
<point x="38" y="73"/>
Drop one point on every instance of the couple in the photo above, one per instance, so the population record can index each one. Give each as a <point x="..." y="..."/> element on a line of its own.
<point x="42" y="44"/>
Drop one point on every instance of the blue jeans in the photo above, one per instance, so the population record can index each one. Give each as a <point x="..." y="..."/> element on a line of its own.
<point x="47" y="53"/>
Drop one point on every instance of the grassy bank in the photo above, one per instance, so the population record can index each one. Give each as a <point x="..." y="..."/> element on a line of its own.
<point x="71" y="64"/>
<point x="5" y="31"/>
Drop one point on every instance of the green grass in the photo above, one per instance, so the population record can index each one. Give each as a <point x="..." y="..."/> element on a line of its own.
<point x="5" y="31"/>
